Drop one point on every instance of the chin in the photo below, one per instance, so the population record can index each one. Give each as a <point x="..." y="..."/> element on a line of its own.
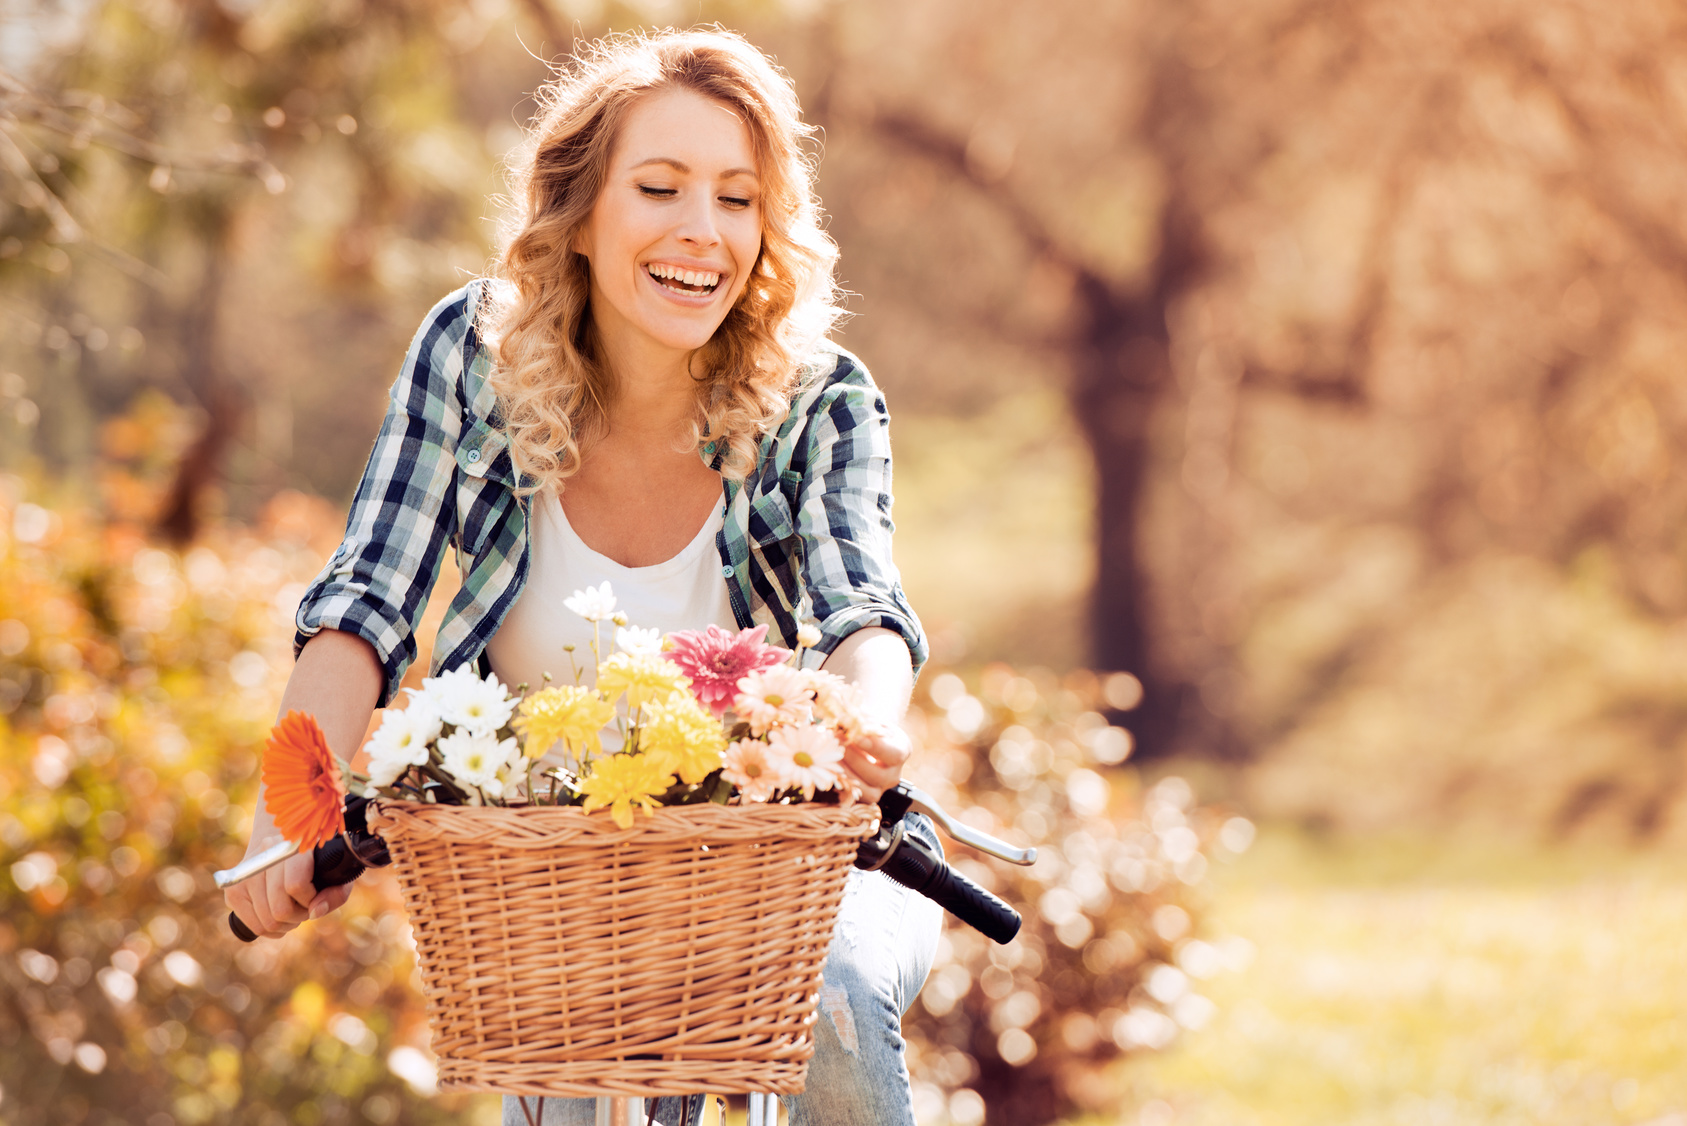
<point x="686" y="338"/>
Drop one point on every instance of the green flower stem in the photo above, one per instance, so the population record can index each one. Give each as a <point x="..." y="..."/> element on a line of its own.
<point x="438" y="775"/>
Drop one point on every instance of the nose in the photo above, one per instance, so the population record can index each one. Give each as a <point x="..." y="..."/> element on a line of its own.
<point x="697" y="221"/>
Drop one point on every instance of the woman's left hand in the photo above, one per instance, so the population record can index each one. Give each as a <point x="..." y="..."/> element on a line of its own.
<point x="876" y="760"/>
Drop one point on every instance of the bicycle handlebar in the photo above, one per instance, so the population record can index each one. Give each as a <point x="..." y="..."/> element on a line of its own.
<point x="891" y="851"/>
<point x="918" y="868"/>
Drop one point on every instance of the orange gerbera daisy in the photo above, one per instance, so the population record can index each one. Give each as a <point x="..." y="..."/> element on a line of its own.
<point x="303" y="789"/>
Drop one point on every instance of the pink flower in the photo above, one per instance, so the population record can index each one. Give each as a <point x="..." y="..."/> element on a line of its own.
<point x="747" y="767"/>
<point x="809" y="757"/>
<point x="773" y="696"/>
<point x="716" y="660"/>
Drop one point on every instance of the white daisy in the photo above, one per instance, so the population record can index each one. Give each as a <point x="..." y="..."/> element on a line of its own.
<point x="639" y="642"/>
<point x="593" y="604"/>
<point x="478" y="760"/>
<point x="747" y="766"/>
<point x="401" y="741"/>
<point x="806" y="757"/>
<point x="464" y="700"/>
<point x="772" y="696"/>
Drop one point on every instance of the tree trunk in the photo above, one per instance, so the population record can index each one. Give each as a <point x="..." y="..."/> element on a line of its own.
<point x="1121" y="367"/>
<point x="201" y="466"/>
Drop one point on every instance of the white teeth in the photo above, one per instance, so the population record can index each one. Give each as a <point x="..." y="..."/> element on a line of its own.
<point x="687" y="277"/>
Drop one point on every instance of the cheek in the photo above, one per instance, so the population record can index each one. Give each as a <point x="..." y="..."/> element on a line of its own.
<point x="746" y="249"/>
<point x="608" y="232"/>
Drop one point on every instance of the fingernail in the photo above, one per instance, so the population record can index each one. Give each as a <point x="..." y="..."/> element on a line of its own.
<point x="319" y="910"/>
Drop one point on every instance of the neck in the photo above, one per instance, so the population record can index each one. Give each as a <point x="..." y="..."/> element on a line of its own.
<point x="652" y="391"/>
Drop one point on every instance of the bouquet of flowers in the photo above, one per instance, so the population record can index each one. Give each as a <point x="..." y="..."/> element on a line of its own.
<point x="693" y="716"/>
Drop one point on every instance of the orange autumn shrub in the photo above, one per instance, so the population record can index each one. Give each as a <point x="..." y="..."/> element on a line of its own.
<point x="136" y="687"/>
<point x="1112" y="952"/>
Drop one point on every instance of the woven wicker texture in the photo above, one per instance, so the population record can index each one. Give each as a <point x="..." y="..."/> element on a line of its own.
<point x="561" y="955"/>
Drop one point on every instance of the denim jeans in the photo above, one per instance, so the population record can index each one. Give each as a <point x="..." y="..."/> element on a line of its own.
<point x="882" y="949"/>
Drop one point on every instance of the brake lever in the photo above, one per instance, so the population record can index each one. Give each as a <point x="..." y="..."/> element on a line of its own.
<point x="919" y="801"/>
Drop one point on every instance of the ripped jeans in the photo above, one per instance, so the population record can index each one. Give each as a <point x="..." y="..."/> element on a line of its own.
<point x="882" y="949"/>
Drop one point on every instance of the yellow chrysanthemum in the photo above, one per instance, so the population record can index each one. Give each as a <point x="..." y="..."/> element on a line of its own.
<point x="643" y="678"/>
<point x="574" y="715"/>
<point x="623" y="781"/>
<point x="683" y="737"/>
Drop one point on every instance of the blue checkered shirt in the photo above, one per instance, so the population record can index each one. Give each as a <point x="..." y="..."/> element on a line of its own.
<point x="806" y="536"/>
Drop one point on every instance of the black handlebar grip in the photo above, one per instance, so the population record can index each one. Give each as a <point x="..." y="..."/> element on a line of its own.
<point x="916" y="867"/>
<point x="240" y="929"/>
<point x="333" y="864"/>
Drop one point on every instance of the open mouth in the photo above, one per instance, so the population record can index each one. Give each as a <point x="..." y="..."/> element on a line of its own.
<point x="683" y="281"/>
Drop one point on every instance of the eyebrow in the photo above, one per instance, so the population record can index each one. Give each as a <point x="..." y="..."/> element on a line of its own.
<point x="681" y="167"/>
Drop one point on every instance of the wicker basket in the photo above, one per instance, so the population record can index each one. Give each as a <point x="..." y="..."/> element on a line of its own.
<point x="561" y="955"/>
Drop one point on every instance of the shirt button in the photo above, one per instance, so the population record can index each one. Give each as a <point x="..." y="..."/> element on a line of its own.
<point x="726" y="572"/>
<point x="474" y="456"/>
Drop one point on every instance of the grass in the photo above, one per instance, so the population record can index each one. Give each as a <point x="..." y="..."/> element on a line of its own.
<point x="1419" y="982"/>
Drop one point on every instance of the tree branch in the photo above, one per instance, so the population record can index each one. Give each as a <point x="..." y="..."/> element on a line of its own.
<point x="19" y="103"/>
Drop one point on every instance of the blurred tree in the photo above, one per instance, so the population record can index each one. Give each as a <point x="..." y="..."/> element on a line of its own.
<point x="1348" y="304"/>
<point x="288" y="173"/>
<point x="1059" y="237"/>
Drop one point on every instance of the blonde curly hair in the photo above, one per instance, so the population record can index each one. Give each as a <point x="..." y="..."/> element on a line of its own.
<point x="552" y="389"/>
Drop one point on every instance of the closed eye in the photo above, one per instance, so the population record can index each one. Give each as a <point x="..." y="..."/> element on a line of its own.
<point x="658" y="193"/>
<point x="735" y="202"/>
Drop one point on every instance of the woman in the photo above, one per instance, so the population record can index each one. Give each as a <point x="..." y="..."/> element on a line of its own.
<point x="643" y="396"/>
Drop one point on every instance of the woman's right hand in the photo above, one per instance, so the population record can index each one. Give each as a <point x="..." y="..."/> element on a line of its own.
<point x="336" y="679"/>
<point x="276" y="901"/>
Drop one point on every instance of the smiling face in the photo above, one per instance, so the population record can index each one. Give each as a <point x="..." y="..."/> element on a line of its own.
<point x="676" y="229"/>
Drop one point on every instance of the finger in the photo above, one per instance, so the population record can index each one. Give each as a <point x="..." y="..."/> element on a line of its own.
<point x="869" y="771"/>
<point x="859" y="791"/>
<point x="240" y="902"/>
<point x="331" y="900"/>
<point x="273" y="902"/>
<point x="248" y="899"/>
<point x="874" y="778"/>
<point x="886" y="748"/>
<point x="286" y="911"/>
<point x="887" y="745"/>
<point x="297" y="877"/>
<point x="257" y="894"/>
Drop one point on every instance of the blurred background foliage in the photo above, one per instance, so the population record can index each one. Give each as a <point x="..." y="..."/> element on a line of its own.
<point x="137" y="686"/>
<point x="1314" y="365"/>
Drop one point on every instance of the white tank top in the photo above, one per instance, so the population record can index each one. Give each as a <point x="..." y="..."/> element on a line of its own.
<point x="687" y="591"/>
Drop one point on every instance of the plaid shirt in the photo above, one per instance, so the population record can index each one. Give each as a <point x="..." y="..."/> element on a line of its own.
<point x="806" y="536"/>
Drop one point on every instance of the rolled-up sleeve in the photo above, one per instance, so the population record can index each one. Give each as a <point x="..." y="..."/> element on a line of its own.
<point x="377" y="582"/>
<point x="844" y="515"/>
